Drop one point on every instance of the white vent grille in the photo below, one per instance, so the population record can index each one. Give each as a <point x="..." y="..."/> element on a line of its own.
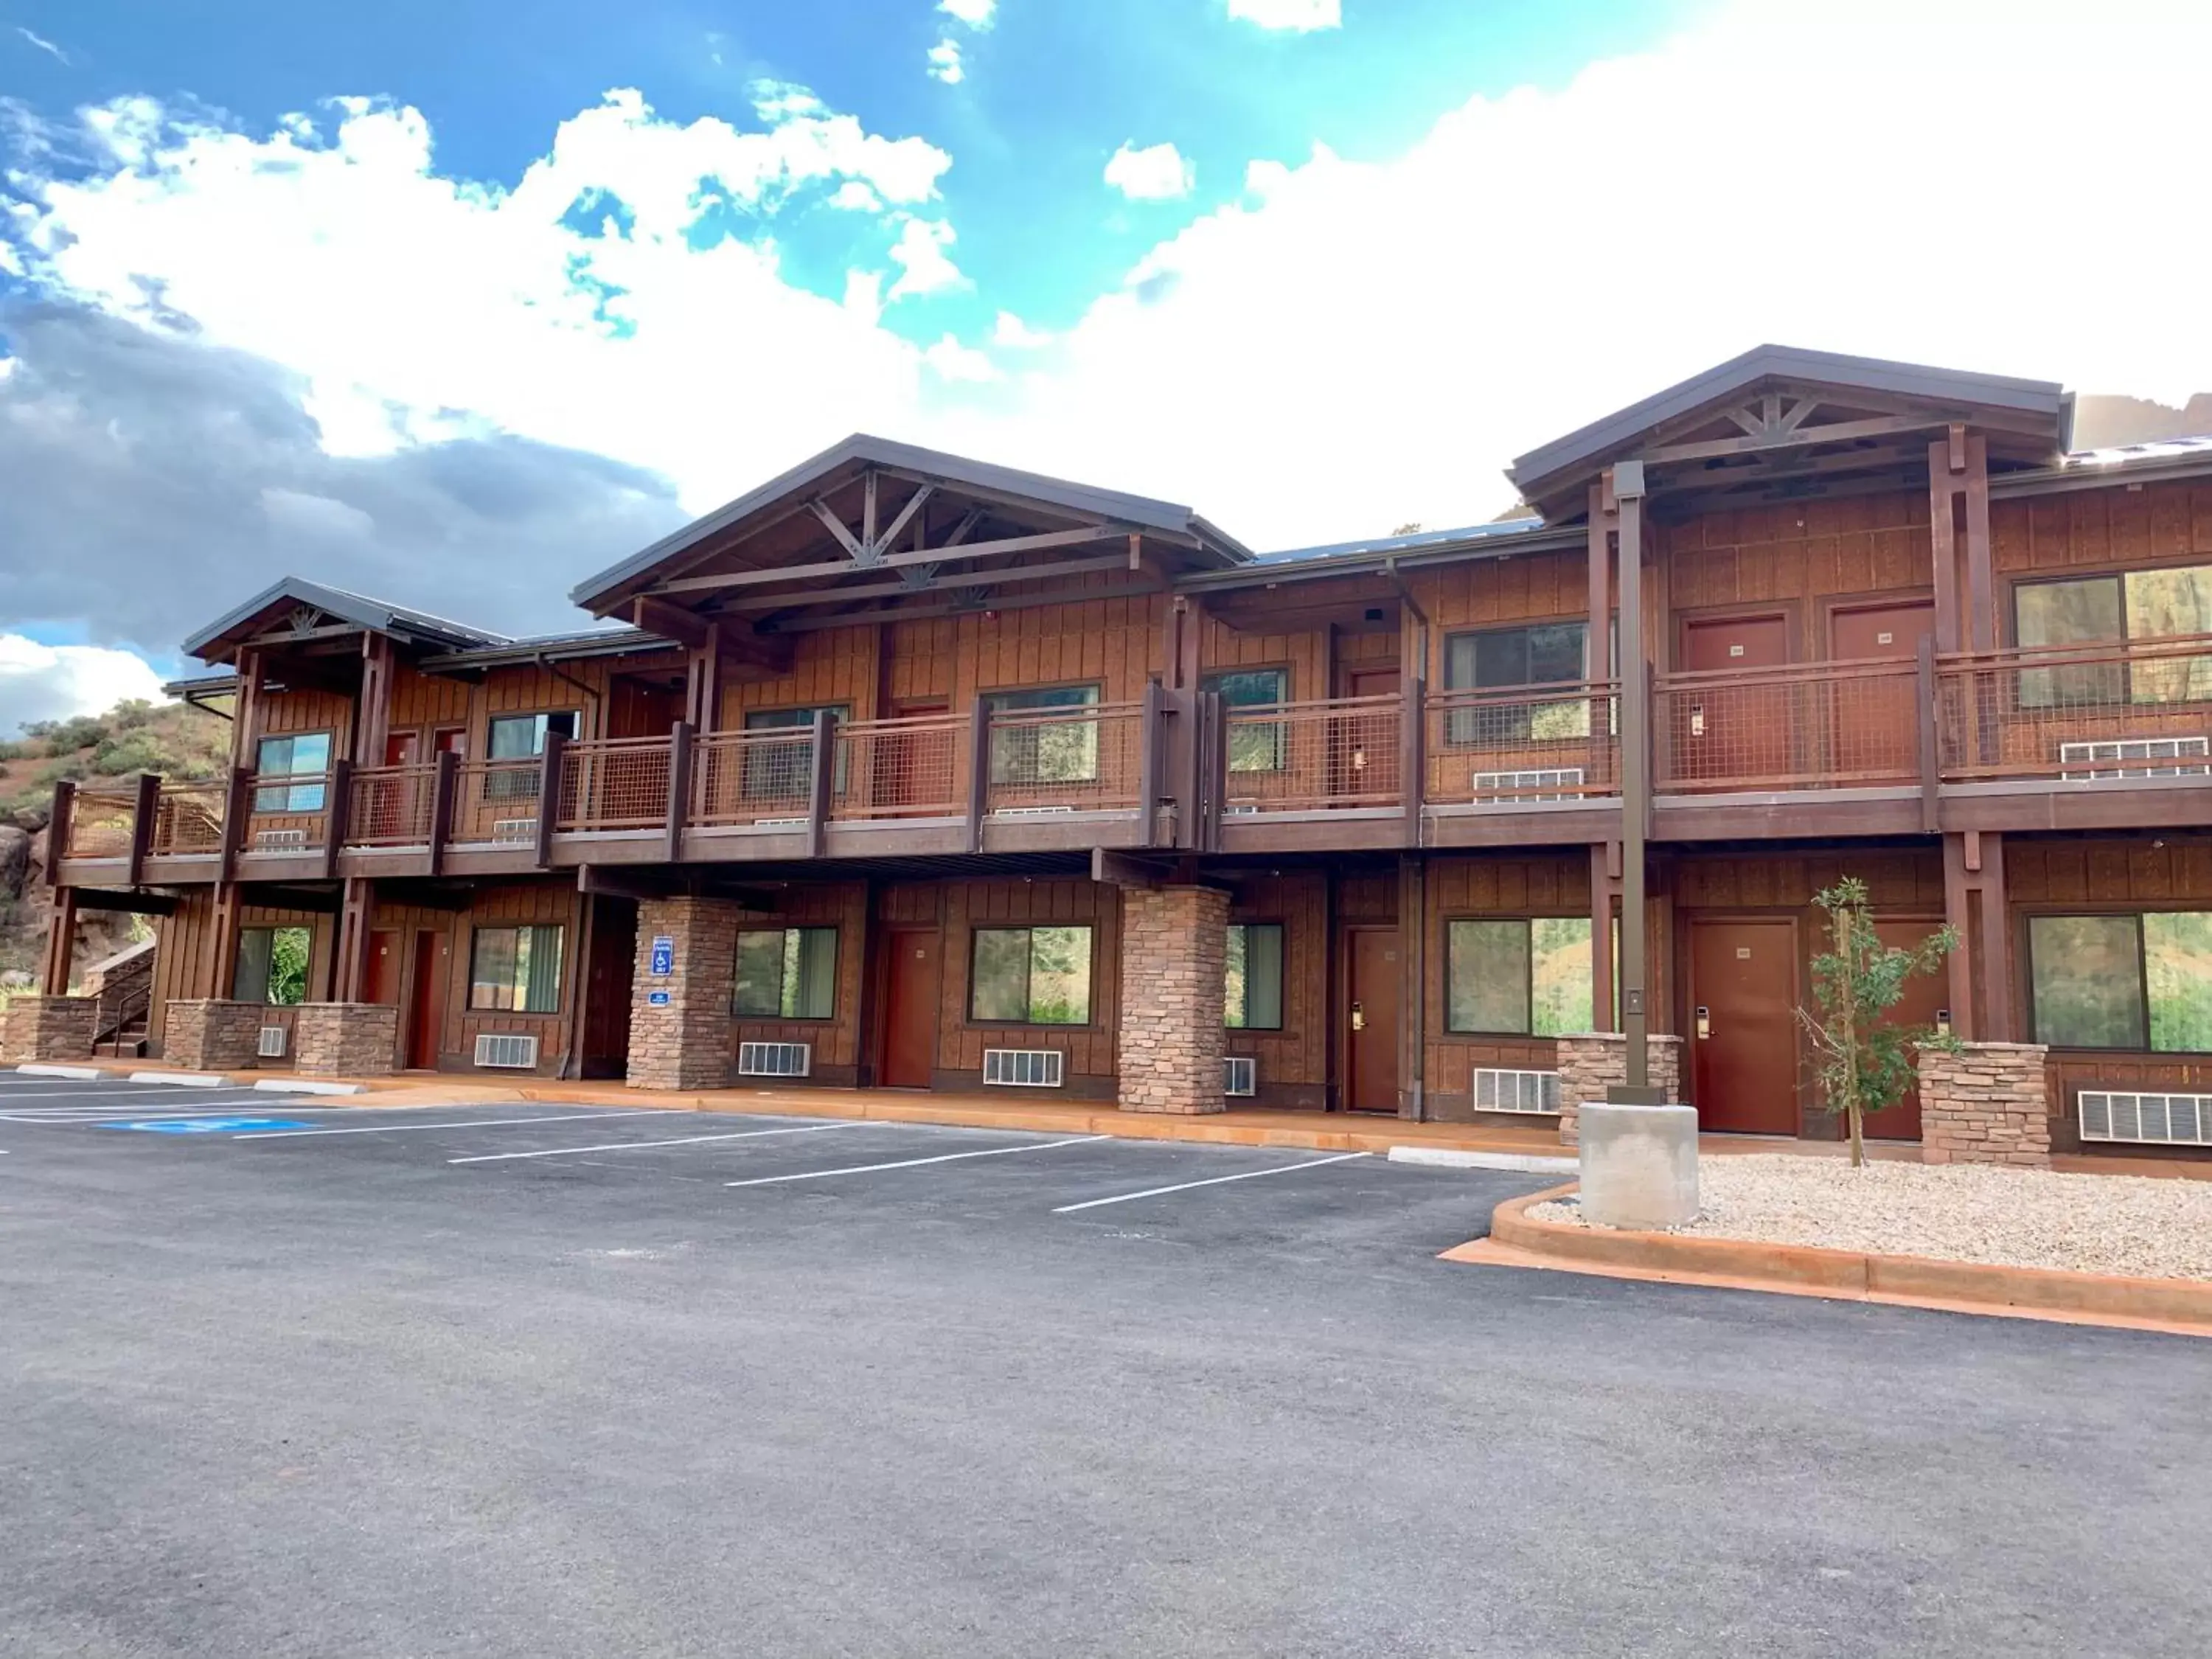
<point x="1240" y="1075"/>
<point x="2161" y="1120"/>
<point x="1497" y="1090"/>
<point x="780" y="824"/>
<point x="271" y="1044"/>
<point x="505" y="829"/>
<point x="2137" y="757"/>
<point x="1023" y="1068"/>
<point x="776" y="1058"/>
<point x="1242" y="810"/>
<point x="1562" y="783"/>
<point x="273" y="838"/>
<point x="1030" y="811"/>
<point x="507" y="1049"/>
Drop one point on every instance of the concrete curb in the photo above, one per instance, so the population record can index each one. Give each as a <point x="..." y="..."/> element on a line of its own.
<point x="2177" y="1304"/>
<point x="270" y="1086"/>
<point x="1444" y="1158"/>
<point x="182" y="1080"/>
<point x="79" y="1074"/>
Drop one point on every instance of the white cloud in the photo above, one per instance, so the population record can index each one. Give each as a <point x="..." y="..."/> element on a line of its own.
<point x="52" y="682"/>
<point x="1013" y="333"/>
<point x="48" y="47"/>
<point x="950" y="360"/>
<point x="855" y="196"/>
<point x="920" y="255"/>
<point x="975" y="13"/>
<point x="1348" y="346"/>
<point x="1301" y="16"/>
<point x="944" y="63"/>
<point x="1155" y="173"/>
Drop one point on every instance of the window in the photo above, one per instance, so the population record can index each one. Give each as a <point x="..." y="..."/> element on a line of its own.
<point x="520" y="737"/>
<point x="272" y="966"/>
<point x="2134" y="605"/>
<point x="515" y="968"/>
<point x="1254" y="745"/>
<point x="1030" y="975"/>
<point x="786" y="972"/>
<point x="1063" y="752"/>
<point x="1516" y="976"/>
<point x="1547" y="653"/>
<point x="779" y="770"/>
<point x="308" y="753"/>
<point x="2123" y="982"/>
<point x="1253" y="977"/>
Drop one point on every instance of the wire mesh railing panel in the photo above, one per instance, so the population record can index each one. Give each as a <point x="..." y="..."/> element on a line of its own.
<point x="900" y="768"/>
<point x="391" y="806"/>
<point x="1812" y="725"/>
<point x="741" y="778"/>
<point x="1508" y="744"/>
<point x="288" y="811"/>
<point x="1072" y="760"/>
<point x="1312" y="756"/>
<point x="101" y="824"/>
<point x="621" y="783"/>
<point x="496" y="801"/>
<point x="188" y="820"/>
<point x="2077" y="713"/>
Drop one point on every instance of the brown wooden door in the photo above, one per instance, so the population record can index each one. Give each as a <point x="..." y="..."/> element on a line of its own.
<point x="1733" y="733"/>
<point x="1743" y="1040"/>
<point x="1873" y="728"/>
<point x="1925" y="996"/>
<point x="426" y="999"/>
<point x="1370" y="1052"/>
<point x="605" y="1049"/>
<point x="913" y="974"/>
<point x="387" y="963"/>
<point x="1363" y="746"/>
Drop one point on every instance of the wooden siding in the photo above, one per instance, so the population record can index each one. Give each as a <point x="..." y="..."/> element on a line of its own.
<point x="1293" y="1069"/>
<point x="423" y="703"/>
<point x="837" y="1040"/>
<point x="1499" y="593"/>
<point x="1543" y="885"/>
<point x="1045" y="902"/>
<point x="2094" y="529"/>
<point x="185" y="958"/>
<point x="508" y="906"/>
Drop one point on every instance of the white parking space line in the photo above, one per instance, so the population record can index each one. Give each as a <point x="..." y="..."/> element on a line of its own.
<point x="1214" y="1180"/>
<point x="914" y="1162"/>
<point x="678" y="1141"/>
<point x="93" y="1097"/>
<point x="469" y="1123"/>
<point x="113" y="1112"/>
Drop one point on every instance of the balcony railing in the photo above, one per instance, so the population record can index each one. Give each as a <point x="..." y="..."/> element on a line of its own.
<point x="1088" y="759"/>
<point x="288" y="811"/>
<point x="1808" y="725"/>
<point x="188" y="820"/>
<point x="1520" y="744"/>
<point x="101" y="823"/>
<point x="1314" y="756"/>
<point x="621" y="783"/>
<point x="392" y="806"/>
<point x="2076" y="713"/>
<point x="900" y="769"/>
<point x="497" y="802"/>
<point x="758" y="777"/>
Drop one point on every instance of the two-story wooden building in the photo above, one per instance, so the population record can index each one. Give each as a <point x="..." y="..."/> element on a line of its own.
<point x="910" y="771"/>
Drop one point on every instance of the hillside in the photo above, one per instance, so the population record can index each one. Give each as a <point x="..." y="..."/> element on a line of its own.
<point x="2102" y="421"/>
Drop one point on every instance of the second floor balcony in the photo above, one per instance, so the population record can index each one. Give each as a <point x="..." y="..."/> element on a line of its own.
<point x="2084" y="736"/>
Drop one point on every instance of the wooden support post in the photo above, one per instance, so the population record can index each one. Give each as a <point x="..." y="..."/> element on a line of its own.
<point x="337" y="816"/>
<point x="1997" y="1011"/>
<point x="1943" y="548"/>
<point x="222" y="964"/>
<point x="372" y="708"/>
<point x="238" y="812"/>
<point x="58" y="830"/>
<point x="61" y="944"/>
<point x="1981" y="580"/>
<point x="1412" y="983"/>
<point x="144" y="814"/>
<point x="1149" y="745"/>
<point x="704" y="690"/>
<point x="1603" y="856"/>
<point x="356" y="910"/>
<point x="1957" y="912"/>
<point x="679" y="786"/>
<point x="1213" y="742"/>
<point x="549" y="794"/>
<point x="979" y="773"/>
<point x="821" y="768"/>
<point x="444" y="783"/>
<point x="1413" y="751"/>
<point x="1931" y="779"/>
<point x="1627" y="488"/>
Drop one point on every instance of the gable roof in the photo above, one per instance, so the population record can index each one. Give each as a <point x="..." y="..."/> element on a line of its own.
<point x="377" y="615"/>
<point x="1542" y="471"/>
<point x="600" y="592"/>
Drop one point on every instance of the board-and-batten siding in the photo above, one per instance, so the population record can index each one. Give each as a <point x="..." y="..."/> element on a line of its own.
<point x="184" y="954"/>
<point x="1293" y="1062"/>
<point x="1013" y="903"/>
<point x="2094" y="529"/>
<point x="836" y="1041"/>
<point x="1461" y="889"/>
<point x="510" y="905"/>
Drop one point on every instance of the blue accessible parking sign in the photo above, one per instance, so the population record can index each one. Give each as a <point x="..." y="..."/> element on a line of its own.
<point x="663" y="957"/>
<point x="205" y="1125"/>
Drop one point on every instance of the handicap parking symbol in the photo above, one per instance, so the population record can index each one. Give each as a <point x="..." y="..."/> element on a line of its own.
<point x="205" y="1125"/>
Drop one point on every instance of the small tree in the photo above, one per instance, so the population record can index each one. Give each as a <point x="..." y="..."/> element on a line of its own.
<point x="1865" y="1062"/>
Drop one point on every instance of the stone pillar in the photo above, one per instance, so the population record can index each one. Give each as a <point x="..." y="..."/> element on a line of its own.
<point x="679" y="1021"/>
<point x="211" y="1033"/>
<point x="49" y="1028"/>
<point x="1590" y="1062"/>
<point x="1988" y="1103"/>
<point x="1175" y="941"/>
<point x="344" y="1039"/>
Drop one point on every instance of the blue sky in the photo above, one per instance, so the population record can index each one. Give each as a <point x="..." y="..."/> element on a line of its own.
<point x="457" y="308"/>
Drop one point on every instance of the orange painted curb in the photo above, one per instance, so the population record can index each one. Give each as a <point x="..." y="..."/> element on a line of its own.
<point x="2175" y="1305"/>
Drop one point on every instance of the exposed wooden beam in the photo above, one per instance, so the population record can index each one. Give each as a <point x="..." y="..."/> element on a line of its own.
<point x="1747" y="422"/>
<point x="924" y="612"/>
<point x="131" y="903"/>
<point x="1007" y="545"/>
<point x="1013" y="573"/>
<point x="672" y="622"/>
<point x="846" y="539"/>
<point x="1841" y="431"/>
<point x="914" y="504"/>
<point x="647" y="882"/>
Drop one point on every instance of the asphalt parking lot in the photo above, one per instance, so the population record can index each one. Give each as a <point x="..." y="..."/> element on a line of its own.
<point x="292" y="1377"/>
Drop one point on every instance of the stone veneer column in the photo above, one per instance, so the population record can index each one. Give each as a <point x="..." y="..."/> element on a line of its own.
<point x="1591" y="1062"/>
<point x="1175" y="942"/>
<point x="211" y="1033"/>
<point x="49" y="1028"/>
<point x="1988" y="1103"/>
<point x="344" y="1039"/>
<point x="684" y="1043"/>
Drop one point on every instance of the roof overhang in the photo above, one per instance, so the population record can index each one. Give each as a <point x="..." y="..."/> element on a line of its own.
<point x="300" y="613"/>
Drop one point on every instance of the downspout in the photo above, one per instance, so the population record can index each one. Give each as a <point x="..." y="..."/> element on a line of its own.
<point x="591" y="693"/>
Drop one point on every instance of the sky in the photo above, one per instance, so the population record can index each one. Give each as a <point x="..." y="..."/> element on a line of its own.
<point x="427" y="301"/>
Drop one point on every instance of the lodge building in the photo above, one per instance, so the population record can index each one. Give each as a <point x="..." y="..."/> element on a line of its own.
<point x="908" y="771"/>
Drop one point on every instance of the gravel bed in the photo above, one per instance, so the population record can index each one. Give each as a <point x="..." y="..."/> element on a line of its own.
<point x="2130" y="1224"/>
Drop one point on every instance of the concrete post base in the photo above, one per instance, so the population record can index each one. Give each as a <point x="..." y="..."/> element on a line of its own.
<point x="37" y="1028"/>
<point x="1639" y="1166"/>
